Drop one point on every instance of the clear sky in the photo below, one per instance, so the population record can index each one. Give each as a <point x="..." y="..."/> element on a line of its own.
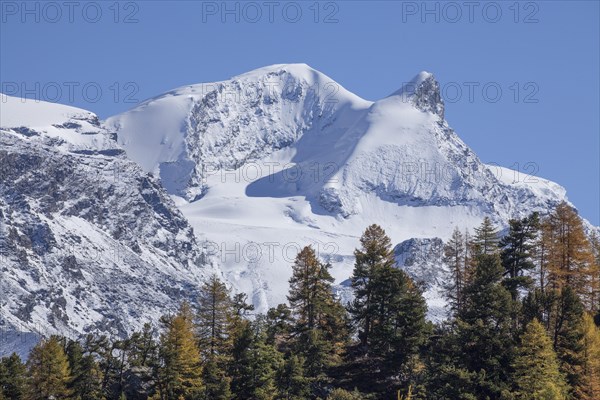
<point x="520" y="79"/>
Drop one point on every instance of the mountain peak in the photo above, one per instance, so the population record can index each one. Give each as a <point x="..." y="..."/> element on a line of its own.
<point x="424" y="92"/>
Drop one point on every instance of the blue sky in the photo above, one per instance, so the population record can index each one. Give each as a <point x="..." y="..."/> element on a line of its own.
<point x="521" y="80"/>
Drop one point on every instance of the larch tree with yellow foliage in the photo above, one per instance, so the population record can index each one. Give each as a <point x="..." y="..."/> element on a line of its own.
<point x="48" y="371"/>
<point x="180" y="373"/>
<point x="590" y="389"/>
<point x="536" y="369"/>
<point x="570" y="258"/>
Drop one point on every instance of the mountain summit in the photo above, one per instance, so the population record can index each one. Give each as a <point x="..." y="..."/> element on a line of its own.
<point x="424" y="92"/>
<point x="231" y="177"/>
<point x="284" y="154"/>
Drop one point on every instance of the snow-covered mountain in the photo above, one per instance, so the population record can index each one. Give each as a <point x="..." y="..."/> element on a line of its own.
<point x="284" y="156"/>
<point x="88" y="241"/>
<point x="259" y="166"/>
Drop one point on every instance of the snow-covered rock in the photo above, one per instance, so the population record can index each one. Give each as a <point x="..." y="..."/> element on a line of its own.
<point x="258" y="165"/>
<point x="88" y="241"/>
<point x="284" y="156"/>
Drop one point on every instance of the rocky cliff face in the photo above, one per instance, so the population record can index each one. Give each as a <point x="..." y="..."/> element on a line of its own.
<point x="89" y="242"/>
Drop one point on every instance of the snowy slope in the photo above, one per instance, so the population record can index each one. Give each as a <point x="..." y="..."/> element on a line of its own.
<point x="184" y="135"/>
<point x="88" y="241"/>
<point x="250" y="170"/>
<point x="269" y="161"/>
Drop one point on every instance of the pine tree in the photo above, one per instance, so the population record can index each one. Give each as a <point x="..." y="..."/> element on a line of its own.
<point x="310" y="289"/>
<point x="590" y="389"/>
<point x="48" y="370"/>
<point x="255" y="365"/>
<point x="279" y="325"/>
<point x="455" y="256"/>
<point x="217" y="386"/>
<point x="516" y="253"/>
<point x="319" y="325"/>
<point x="144" y="349"/>
<point x="86" y="377"/>
<point x="484" y="328"/>
<point x="399" y="327"/>
<point x="291" y="382"/>
<point x="181" y="370"/>
<point x="568" y="335"/>
<point x="341" y="394"/>
<point x="12" y="377"/>
<point x="536" y="374"/>
<point x="486" y="238"/>
<point x="376" y="253"/>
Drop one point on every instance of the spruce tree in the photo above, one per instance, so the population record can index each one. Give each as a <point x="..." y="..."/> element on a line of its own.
<point x="181" y="370"/>
<point x="536" y="373"/>
<point x="48" y="371"/>
<point x="12" y="377"/>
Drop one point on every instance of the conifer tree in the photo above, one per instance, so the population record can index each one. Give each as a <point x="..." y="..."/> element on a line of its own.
<point x="279" y="325"/>
<point x="214" y="314"/>
<point x="375" y="254"/>
<point x="484" y="328"/>
<point x="144" y="349"/>
<point x="319" y="325"/>
<point x="217" y="318"/>
<point x="86" y="377"/>
<point x="536" y="373"/>
<point x="341" y="394"/>
<point x="48" y="371"/>
<point x="516" y="253"/>
<point x="310" y="289"/>
<point x="590" y="389"/>
<point x="217" y="386"/>
<point x="12" y="377"/>
<point x="455" y="257"/>
<point x="486" y="238"/>
<point x="291" y="382"/>
<point x="571" y="261"/>
<point x="255" y="365"/>
<point x="568" y="334"/>
<point x="389" y="309"/>
<point x="595" y="274"/>
<point x="181" y="370"/>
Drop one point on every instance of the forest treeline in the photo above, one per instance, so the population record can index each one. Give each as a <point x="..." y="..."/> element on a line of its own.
<point x="523" y="324"/>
